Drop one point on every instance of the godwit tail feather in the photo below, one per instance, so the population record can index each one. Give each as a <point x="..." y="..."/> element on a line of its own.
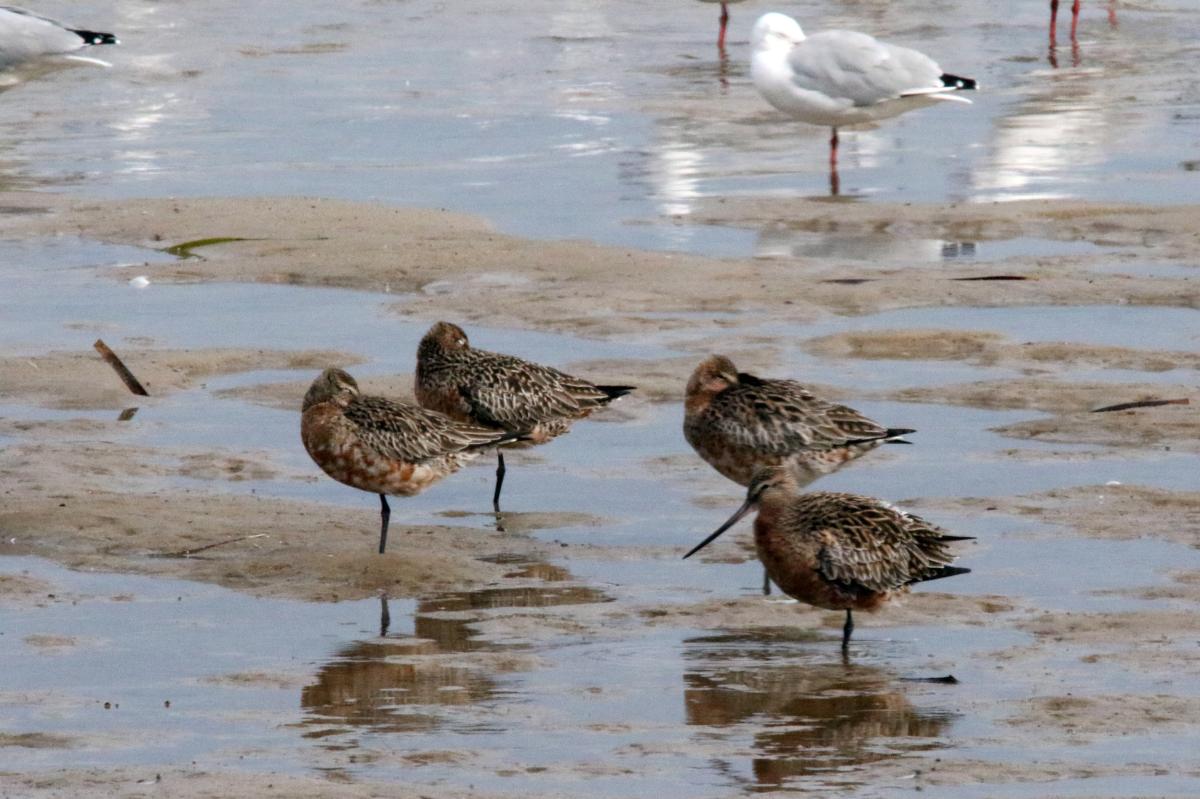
<point x="613" y="392"/>
<point x="500" y="439"/>
<point x="945" y="571"/>
<point x="889" y="436"/>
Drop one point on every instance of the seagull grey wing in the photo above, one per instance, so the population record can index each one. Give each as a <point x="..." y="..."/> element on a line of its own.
<point x="858" y="68"/>
<point x="24" y="35"/>
<point x="410" y="433"/>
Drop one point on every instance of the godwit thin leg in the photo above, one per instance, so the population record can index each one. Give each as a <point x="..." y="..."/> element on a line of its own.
<point x="1053" y="21"/>
<point x="847" y="629"/>
<point x="1074" y="19"/>
<point x="724" y="24"/>
<point x="834" y="183"/>
<point x="385" y="618"/>
<point x="499" y="480"/>
<point x="385" y="513"/>
<point x="766" y="583"/>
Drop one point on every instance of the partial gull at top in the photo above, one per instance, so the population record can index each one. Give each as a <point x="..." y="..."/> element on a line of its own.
<point x="840" y="77"/>
<point x="25" y="36"/>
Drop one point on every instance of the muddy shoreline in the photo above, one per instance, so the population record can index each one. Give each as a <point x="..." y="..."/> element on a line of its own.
<point x="84" y="490"/>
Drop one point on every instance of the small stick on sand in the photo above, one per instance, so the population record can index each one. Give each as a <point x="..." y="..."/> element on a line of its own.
<point x="1124" y="406"/>
<point x="187" y="553"/>
<point x="130" y="381"/>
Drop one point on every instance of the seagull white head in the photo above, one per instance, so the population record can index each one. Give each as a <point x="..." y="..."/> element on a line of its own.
<point x="776" y="31"/>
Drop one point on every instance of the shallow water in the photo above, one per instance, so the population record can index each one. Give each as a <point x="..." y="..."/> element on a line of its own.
<point x="582" y="119"/>
<point x="574" y="118"/>
<point x="745" y="711"/>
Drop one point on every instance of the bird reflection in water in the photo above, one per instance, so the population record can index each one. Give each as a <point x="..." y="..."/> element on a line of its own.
<point x="403" y="683"/>
<point x="811" y="721"/>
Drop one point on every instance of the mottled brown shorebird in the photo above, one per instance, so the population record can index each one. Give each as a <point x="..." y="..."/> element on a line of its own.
<point x="502" y="392"/>
<point x="738" y="422"/>
<point x="381" y="446"/>
<point x="839" y="551"/>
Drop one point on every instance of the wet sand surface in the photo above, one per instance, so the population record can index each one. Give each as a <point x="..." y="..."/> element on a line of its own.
<point x="190" y="608"/>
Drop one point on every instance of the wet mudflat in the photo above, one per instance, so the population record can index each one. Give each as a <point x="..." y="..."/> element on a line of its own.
<point x="574" y="653"/>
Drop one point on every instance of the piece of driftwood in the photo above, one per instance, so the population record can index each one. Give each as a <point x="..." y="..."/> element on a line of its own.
<point x="122" y="371"/>
<point x="187" y="553"/>
<point x="1124" y="406"/>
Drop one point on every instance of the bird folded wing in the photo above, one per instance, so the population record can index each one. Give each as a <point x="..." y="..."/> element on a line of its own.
<point x="861" y="69"/>
<point x="863" y="564"/>
<point x="410" y="433"/>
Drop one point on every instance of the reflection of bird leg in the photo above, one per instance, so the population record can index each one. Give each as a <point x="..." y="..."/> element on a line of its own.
<point x="385" y="618"/>
<point x="723" y="69"/>
<point x="847" y="629"/>
<point x="1112" y="14"/>
<point x="499" y="481"/>
<point x="724" y="23"/>
<point x="385" y="513"/>
<point x="834" y="183"/>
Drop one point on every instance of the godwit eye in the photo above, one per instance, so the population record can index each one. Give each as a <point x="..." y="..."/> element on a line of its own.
<point x="462" y="342"/>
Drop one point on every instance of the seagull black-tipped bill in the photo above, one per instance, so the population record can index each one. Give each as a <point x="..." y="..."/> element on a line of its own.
<point x="747" y="506"/>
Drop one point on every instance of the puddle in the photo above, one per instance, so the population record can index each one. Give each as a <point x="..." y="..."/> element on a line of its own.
<point x="775" y="243"/>
<point x="1136" y="327"/>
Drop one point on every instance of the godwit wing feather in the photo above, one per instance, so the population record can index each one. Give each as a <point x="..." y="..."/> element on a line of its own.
<point x="410" y="433"/>
<point x="781" y="416"/>
<point x="871" y="546"/>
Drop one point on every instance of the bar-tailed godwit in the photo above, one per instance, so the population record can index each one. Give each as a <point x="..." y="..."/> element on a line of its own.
<point x="738" y="422"/>
<point x="502" y="392"/>
<point x="839" y="551"/>
<point x="381" y="446"/>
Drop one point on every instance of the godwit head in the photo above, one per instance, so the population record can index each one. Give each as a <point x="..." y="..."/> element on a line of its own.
<point x="714" y="374"/>
<point x="443" y="337"/>
<point x="768" y="483"/>
<point x="330" y="384"/>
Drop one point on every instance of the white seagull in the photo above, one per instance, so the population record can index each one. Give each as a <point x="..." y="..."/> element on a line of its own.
<point x="843" y="77"/>
<point x="25" y="36"/>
